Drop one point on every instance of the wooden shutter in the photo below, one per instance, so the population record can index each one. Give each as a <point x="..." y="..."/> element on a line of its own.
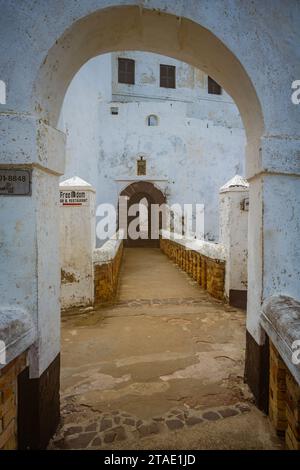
<point x="168" y="76"/>
<point x="126" y="71"/>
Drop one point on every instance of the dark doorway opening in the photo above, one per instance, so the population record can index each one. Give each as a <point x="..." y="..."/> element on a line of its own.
<point x="143" y="195"/>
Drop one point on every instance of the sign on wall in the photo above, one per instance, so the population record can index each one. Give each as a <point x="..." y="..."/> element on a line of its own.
<point x="73" y="198"/>
<point x="15" y="182"/>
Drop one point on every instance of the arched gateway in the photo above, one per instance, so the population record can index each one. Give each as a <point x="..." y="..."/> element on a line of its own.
<point x="141" y="197"/>
<point x="43" y="45"/>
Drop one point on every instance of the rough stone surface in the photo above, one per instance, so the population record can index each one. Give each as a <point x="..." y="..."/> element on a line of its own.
<point x="82" y="441"/>
<point x="174" y="424"/>
<point x="211" y="416"/>
<point x="105" y="424"/>
<point x="147" y="429"/>
<point x="225" y="413"/>
<point x="193" y="420"/>
<point x="8" y="402"/>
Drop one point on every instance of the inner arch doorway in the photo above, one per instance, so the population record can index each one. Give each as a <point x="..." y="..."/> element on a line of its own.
<point x="141" y="197"/>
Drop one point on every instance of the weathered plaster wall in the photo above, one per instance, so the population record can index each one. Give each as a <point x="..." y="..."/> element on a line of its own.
<point x="77" y="242"/>
<point x="80" y="118"/>
<point x="234" y="233"/>
<point x="197" y="146"/>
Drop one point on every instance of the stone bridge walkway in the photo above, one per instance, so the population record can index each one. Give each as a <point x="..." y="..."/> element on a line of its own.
<point x="160" y="369"/>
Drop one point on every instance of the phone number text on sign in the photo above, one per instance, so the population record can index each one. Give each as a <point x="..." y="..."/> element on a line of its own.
<point x="15" y="182"/>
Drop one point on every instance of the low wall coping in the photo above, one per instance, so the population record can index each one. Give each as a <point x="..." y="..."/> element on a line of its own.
<point x="108" y="251"/>
<point x="209" y="249"/>
<point x="17" y="331"/>
<point x="281" y="321"/>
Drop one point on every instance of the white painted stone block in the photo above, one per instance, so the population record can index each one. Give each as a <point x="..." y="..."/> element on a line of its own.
<point x="77" y="242"/>
<point x="17" y="333"/>
<point x="108" y="251"/>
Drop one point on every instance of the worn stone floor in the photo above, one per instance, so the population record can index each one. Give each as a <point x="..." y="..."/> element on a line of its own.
<point x="160" y="369"/>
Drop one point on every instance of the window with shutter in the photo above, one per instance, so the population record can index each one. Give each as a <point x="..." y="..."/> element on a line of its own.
<point x="168" y="76"/>
<point x="126" y="71"/>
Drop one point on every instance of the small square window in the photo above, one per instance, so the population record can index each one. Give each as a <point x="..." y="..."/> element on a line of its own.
<point x="152" y="120"/>
<point x="167" y="76"/>
<point x="114" y="110"/>
<point x="126" y="71"/>
<point x="213" y="87"/>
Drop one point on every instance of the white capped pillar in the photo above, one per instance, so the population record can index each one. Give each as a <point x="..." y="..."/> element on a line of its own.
<point x="234" y="204"/>
<point x="77" y="241"/>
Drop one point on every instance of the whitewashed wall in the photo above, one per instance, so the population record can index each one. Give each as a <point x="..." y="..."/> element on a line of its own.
<point x="79" y="118"/>
<point x="77" y="242"/>
<point x="197" y="146"/>
<point x="234" y="233"/>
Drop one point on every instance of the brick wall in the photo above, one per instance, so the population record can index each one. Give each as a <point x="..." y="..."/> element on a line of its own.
<point x="284" y="401"/>
<point x="208" y="272"/>
<point x="106" y="276"/>
<point x="277" y="392"/>
<point x="9" y="402"/>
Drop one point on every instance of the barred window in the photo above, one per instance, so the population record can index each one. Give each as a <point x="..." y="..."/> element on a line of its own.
<point x="213" y="87"/>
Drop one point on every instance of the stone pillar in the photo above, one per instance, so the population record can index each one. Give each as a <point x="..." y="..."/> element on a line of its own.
<point x="77" y="242"/>
<point x="30" y="254"/>
<point x="234" y="201"/>
<point x="274" y="255"/>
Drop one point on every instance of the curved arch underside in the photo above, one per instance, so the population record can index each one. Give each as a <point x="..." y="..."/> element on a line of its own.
<point x="135" y="28"/>
<point x="145" y="187"/>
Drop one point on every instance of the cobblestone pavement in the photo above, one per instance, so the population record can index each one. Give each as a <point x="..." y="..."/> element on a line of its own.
<point x="160" y="369"/>
<point x="108" y="428"/>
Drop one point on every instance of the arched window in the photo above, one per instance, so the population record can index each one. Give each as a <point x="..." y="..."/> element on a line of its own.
<point x="152" y="120"/>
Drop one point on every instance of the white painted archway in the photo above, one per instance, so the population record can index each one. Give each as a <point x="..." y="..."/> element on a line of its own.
<point x="237" y="43"/>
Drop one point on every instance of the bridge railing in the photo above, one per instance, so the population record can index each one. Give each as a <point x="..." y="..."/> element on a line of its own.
<point x="203" y="261"/>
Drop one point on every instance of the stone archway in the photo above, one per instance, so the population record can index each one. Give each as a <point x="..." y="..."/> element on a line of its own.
<point x="44" y="45"/>
<point x="137" y="193"/>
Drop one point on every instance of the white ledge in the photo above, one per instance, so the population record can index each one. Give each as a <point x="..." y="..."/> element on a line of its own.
<point x="208" y="249"/>
<point x="17" y="332"/>
<point x="281" y="321"/>
<point x="108" y="251"/>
